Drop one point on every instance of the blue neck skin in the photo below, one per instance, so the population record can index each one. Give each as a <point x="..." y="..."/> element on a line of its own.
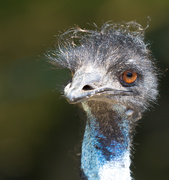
<point x="106" y="143"/>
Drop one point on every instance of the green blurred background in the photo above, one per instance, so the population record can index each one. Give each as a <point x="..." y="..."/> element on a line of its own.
<point x="40" y="133"/>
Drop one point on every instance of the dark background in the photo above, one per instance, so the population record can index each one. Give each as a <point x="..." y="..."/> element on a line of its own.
<point x="40" y="133"/>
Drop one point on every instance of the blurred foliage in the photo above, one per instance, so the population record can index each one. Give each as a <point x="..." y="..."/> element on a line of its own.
<point x="40" y="133"/>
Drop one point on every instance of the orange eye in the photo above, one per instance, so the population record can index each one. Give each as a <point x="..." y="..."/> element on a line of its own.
<point x="129" y="77"/>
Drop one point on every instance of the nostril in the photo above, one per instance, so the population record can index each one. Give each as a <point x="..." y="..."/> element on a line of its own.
<point x="87" y="88"/>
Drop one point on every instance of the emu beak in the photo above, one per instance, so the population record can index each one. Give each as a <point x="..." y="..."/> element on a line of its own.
<point x="75" y="95"/>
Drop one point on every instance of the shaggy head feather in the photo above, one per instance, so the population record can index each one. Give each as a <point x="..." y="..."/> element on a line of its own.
<point x="110" y="50"/>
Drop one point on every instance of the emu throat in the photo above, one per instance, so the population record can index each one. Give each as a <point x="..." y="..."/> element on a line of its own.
<point x="106" y="143"/>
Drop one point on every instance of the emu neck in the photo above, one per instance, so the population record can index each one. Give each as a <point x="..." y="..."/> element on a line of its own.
<point x="106" y="143"/>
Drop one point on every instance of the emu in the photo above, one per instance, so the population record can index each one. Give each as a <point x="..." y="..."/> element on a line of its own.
<point x="114" y="78"/>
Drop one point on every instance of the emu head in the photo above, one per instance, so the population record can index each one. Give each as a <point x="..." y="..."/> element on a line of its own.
<point x="111" y="64"/>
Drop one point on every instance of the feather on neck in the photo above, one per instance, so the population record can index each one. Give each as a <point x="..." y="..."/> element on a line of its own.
<point x="106" y="143"/>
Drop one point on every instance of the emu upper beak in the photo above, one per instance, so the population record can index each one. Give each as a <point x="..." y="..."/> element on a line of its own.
<point x="83" y="86"/>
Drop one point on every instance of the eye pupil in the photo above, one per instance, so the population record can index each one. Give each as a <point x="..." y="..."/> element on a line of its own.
<point x="129" y="77"/>
<point x="129" y="74"/>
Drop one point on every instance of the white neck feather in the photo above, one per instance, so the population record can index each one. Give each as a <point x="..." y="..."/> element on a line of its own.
<point x="116" y="170"/>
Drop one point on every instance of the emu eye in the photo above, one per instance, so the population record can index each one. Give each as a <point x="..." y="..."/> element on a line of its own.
<point x="129" y="77"/>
